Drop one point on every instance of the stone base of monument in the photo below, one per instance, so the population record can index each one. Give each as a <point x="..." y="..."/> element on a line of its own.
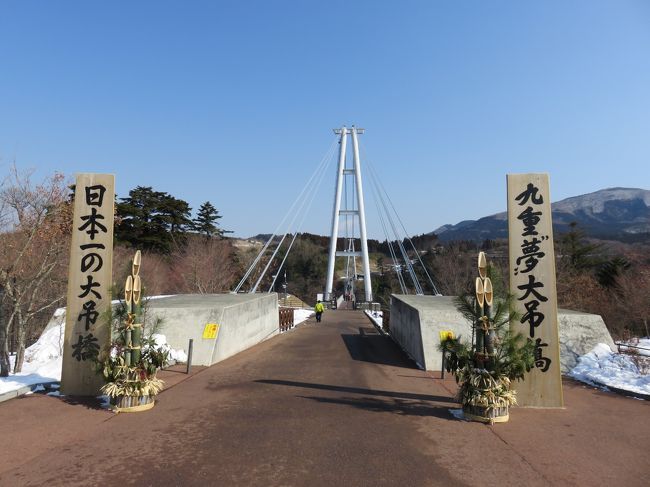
<point x="486" y="415"/>
<point x="132" y="404"/>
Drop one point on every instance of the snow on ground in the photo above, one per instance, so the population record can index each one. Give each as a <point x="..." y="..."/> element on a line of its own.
<point x="50" y="344"/>
<point x="43" y="360"/>
<point x="37" y="372"/>
<point x="377" y="317"/>
<point x="300" y="315"/>
<point x="38" y="388"/>
<point x="603" y="367"/>
<point x="174" y="355"/>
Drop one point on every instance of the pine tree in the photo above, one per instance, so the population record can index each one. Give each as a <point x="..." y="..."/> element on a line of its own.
<point x="152" y="220"/>
<point x="176" y="215"/>
<point x="577" y="252"/>
<point x="205" y="222"/>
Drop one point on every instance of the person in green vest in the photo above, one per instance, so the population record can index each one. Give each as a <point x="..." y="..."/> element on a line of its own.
<point x="319" y="308"/>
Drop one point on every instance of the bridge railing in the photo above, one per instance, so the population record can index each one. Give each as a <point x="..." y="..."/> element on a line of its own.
<point x="286" y="319"/>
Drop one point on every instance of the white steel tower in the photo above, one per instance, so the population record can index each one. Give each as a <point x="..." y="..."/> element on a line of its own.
<point x="355" y="172"/>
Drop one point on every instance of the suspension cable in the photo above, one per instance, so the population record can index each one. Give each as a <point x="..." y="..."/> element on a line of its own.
<point x="429" y="278"/>
<point x="433" y="286"/>
<point x="289" y="227"/>
<point x="393" y="255"/>
<point x="259" y="256"/>
<point x="407" y="260"/>
<point x="295" y="234"/>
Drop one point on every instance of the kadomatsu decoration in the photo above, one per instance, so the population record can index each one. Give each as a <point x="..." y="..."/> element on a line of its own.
<point x="130" y="366"/>
<point x="485" y="368"/>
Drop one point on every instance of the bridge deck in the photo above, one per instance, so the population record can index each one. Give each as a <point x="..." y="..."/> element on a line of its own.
<point x="330" y="404"/>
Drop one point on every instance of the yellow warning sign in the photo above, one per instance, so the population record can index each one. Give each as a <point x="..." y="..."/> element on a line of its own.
<point x="211" y="331"/>
<point x="446" y="335"/>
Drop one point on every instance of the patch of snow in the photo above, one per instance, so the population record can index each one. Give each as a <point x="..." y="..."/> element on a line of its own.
<point x="55" y="394"/>
<point x="176" y="355"/>
<point x="48" y="346"/>
<point x="602" y="366"/>
<point x="377" y="317"/>
<point x="35" y="372"/>
<point x="458" y="414"/>
<point x="300" y="315"/>
<point x="38" y="388"/>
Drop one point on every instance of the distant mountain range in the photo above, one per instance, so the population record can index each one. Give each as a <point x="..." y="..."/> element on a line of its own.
<point x="613" y="214"/>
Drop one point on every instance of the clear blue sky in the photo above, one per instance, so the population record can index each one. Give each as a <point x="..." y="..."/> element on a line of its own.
<point x="235" y="101"/>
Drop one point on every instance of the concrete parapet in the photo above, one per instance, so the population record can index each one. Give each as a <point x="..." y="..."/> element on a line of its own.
<point x="415" y="323"/>
<point x="244" y="320"/>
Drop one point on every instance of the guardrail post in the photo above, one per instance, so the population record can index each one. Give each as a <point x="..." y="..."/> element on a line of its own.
<point x="442" y="374"/>
<point x="189" y="356"/>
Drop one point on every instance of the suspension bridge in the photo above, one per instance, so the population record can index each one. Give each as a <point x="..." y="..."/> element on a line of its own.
<point x="348" y="225"/>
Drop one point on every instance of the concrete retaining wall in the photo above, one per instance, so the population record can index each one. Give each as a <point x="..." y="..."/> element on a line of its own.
<point x="415" y="323"/>
<point x="245" y="320"/>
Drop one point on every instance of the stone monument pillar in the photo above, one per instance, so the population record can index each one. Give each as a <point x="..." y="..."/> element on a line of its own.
<point x="532" y="282"/>
<point x="87" y="330"/>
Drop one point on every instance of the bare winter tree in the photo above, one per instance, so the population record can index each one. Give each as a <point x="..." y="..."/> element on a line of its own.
<point x="158" y="271"/>
<point x="455" y="269"/>
<point x="204" y="266"/>
<point x="34" y="251"/>
<point x="631" y="304"/>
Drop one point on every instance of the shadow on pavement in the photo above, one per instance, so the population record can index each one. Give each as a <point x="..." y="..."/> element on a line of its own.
<point x="358" y="390"/>
<point x="88" y="402"/>
<point x="397" y="406"/>
<point x="370" y="346"/>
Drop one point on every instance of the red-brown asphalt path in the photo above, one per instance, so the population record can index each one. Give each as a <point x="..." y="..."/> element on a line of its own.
<point x="333" y="404"/>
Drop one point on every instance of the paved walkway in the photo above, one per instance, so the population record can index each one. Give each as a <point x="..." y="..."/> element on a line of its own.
<point x="333" y="404"/>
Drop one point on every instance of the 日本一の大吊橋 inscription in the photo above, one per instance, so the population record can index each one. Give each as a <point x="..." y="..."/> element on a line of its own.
<point x="89" y="283"/>
<point x="532" y="283"/>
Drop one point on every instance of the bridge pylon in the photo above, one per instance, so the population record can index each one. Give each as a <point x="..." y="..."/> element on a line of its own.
<point x="358" y="212"/>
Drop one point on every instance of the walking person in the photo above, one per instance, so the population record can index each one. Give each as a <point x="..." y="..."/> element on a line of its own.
<point x="319" y="308"/>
